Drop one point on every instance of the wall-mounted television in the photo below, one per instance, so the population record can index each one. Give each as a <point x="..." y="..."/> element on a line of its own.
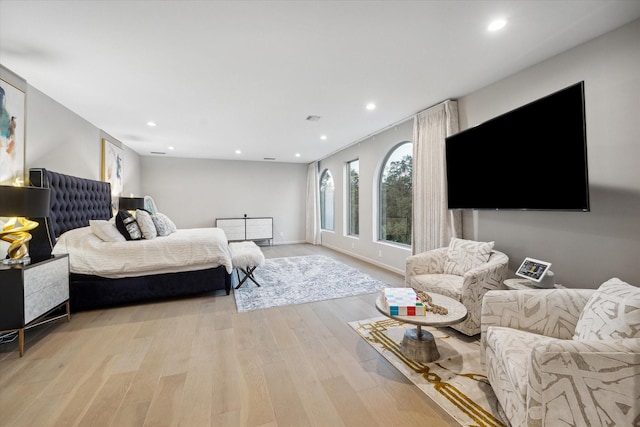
<point x="531" y="158"/>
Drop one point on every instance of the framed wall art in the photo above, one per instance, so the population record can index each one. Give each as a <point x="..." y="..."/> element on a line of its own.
<point x="112" y="166"/>
<point x="12" y="134"/>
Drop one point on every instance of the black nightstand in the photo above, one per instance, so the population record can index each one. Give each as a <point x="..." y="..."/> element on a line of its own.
<point x="30" y="294"/>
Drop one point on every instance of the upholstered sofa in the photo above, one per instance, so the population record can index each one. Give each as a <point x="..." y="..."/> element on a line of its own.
<point x="567" y="357"/>
<point x="464" y="271"/>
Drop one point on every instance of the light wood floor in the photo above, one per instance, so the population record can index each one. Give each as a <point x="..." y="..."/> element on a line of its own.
<point x="197" y="362"/>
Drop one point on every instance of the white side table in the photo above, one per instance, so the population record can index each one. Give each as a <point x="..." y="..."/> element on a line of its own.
<point x="519" y="284"/>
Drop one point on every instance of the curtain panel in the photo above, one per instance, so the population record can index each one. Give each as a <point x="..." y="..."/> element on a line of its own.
<point x="313" y="234"/>
<point x="433" y="223"/>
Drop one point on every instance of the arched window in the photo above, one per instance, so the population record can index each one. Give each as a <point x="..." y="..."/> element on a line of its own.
<point x="327" y="190"/>
<point x="353" y="201"/>
<point x="395" y="195"/>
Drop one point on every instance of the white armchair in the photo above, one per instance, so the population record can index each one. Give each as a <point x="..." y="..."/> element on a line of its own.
<point x="564" y="356"/>
<point x="464" y="271"/>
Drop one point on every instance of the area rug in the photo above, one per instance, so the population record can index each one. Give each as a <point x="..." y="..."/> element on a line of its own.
<point x="297" y="280"/>
<point x="456" y="381"/>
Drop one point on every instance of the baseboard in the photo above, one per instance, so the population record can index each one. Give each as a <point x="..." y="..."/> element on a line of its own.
<point x="365" y="259"/>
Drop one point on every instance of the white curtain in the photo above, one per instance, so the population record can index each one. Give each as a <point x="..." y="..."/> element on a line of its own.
<point x="433" y="223"/>
<point x="313" y="205"/>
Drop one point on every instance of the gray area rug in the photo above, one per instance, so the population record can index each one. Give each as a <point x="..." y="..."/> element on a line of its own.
<point x="296" y="280"/>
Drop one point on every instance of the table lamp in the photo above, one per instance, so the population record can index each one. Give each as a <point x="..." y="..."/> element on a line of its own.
<point x="131" y="203"/>
<point x="18" y="203"/>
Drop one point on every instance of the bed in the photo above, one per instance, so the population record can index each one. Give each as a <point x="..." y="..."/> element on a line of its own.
<point x="76" y="201"/>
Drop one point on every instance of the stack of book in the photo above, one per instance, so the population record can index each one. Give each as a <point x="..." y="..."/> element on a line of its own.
<point x="402" y="302"/>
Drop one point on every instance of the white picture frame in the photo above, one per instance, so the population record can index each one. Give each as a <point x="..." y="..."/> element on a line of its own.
<point x="533" y="269"/>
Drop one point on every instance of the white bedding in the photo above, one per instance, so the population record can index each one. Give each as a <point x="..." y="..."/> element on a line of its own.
<point x="185" y="250"/>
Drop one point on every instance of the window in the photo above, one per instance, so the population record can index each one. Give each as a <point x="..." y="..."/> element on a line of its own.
<point x="396" y="198"/>
<point x="326" y="200"/>
<point x="353" y="168"/>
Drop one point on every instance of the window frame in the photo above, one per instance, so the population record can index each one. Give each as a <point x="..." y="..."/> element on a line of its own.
<point x="381" y="223"/>
<point x="350" y="224"/>
<point x="323" y="200"/>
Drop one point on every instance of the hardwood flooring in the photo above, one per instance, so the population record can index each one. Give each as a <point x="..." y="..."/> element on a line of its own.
<point x="197" y="362"/>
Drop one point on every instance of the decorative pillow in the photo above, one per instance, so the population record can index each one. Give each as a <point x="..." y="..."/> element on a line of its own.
<point x="463" y="255"/>
<point x="106" y="231"/>
<point x="612" y="312"/>
<point x="127" y="226"/>
<point x="167" y="221"/>
<point x="147" y="227"/>
<point x="163" y="226"/>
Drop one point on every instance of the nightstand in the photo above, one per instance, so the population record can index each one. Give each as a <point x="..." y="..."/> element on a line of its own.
<point x="30" y="294"/>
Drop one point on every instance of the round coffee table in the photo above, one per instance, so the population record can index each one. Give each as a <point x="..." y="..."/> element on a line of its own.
<point x="420" y="345"/>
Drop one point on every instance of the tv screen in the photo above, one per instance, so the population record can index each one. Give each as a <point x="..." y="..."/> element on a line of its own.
<point x="531" y="158"/>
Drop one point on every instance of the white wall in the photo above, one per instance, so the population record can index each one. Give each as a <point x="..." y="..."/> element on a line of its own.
<point x="371" y="153"/>
<point x="585" y="248"/>
<point x="194" y="192"/>
<point x="59" y="140"/>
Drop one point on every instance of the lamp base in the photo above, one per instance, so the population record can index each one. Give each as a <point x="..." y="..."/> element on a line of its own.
<point x="24" y="260"/>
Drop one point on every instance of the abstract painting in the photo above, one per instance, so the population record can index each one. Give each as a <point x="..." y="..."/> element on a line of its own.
<point x="12" y="131"/>
<point x="112" y="166"/>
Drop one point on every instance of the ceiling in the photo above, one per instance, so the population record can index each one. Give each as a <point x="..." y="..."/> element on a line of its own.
<point x="221" y="76"/>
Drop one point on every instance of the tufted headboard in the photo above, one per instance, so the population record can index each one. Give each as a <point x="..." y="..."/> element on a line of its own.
<point x="74" y="201"/>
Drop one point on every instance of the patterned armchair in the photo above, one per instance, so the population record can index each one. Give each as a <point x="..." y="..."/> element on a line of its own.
<point x="464" y="271"/>
<point x="566" y="357"/>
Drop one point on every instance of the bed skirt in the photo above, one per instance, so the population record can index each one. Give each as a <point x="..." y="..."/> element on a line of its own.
<point x="93" y="292"/>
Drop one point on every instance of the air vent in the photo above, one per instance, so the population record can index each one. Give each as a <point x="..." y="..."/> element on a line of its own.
<point x="313" y="118"/>
<point x="269" y="158"/>
<point x="157" y="152"/>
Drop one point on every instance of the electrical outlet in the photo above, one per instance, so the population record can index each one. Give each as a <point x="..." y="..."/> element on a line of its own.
<point x="353" y="245"/>
<point x="380" y="253"/>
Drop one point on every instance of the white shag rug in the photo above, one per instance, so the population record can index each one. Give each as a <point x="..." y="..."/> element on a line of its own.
<point x="297" y="280"/>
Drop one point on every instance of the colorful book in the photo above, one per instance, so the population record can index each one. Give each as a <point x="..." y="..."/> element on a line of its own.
<point x="402" y="302"/>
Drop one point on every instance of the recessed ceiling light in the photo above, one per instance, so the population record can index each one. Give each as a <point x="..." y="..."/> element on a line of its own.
<point x="152" y="124"/>
<point x="323" y="137"/>
<point x="297" y="154"/>
<point x="497" y="24"/>
<point x="371" y="106"/>
<point x="238" y="152"/>
<point x="171" y="148"/>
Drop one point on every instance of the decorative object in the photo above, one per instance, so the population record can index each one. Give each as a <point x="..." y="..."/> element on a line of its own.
<point x="456" y="382"/>
<point x="564" y="356"/>
<point x="427" y="300"/>
<point x="12" y="134"/>
<point x="17" y="203"/>
<point x="112" y="167"/>
<point x="297" y="280"/>
<point x="433" y="272"/>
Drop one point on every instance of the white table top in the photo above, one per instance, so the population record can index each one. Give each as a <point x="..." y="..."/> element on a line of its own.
<point x="457" y="312"/>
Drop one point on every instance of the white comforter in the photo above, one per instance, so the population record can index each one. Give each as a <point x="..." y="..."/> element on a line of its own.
<point x="184" y="250"/>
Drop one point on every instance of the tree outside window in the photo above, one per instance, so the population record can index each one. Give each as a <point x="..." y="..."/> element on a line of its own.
<point x="353" y="168"/>
<point x="327" y="190"/>
<point x="396" y="195"/>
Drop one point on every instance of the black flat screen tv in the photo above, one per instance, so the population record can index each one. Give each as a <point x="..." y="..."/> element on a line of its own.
<point x="531" y="158"/>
